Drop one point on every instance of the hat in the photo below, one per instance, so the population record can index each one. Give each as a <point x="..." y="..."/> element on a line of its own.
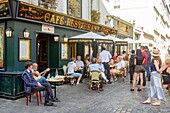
<point x="155" y="52"/>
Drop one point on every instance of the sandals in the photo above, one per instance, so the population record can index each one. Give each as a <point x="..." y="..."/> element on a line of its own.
<point x="131" y="89"/>
<point x="139" y="90"/>
<point x="147" y="102"/>
<point x="155" y="104"/>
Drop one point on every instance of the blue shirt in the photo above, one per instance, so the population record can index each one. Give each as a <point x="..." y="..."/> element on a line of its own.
<point x="79" y="63"/>
<point x="94" y="67"/>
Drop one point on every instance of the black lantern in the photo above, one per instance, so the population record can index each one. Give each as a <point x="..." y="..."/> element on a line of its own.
<point x="26" y="33"/>
<point x="9" y="32"/>
<point x="56" y="38"/>
<point x="65" y="39"/>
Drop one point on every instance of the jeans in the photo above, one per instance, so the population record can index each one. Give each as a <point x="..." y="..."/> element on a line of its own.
<point x="47" y="88"/>
<point x="131" y="72"/>
<point x="107" y="68"/>
<point x="42" y="80"/>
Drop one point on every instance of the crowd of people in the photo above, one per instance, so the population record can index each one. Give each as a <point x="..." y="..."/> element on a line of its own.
<point x="141" y="64"/>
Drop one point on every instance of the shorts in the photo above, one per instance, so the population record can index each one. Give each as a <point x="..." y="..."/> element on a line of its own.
<point x="76" y="74"/>
<point x="139" y="69"/>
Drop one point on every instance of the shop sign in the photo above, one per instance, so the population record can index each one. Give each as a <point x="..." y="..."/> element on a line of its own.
<point x="121" y="44"/>
<point x="4" y="9"/>
<point x="38" y="14"/>
<point x="47" y="28"/>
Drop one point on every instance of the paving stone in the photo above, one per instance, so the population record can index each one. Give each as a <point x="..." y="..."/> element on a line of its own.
<point x="116" y="98"/>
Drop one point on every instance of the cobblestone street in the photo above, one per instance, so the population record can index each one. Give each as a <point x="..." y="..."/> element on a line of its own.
<point x="116" y="98"/>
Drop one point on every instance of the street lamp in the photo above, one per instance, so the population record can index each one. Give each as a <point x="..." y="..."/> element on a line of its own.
<point x="109" y="18"/>
<point x="65" y="39"/>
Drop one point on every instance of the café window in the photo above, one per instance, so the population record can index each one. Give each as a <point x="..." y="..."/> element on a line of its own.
<point x="75" y="8"/>
<point x="73" y="50"/>
<point x="1" y="45"/>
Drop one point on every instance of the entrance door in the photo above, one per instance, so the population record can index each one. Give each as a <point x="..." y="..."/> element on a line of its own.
<point x="42" y="51"/>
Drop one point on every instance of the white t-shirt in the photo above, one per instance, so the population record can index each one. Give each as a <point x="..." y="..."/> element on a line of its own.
<point x="105" y="56"/>
<point x="71" y="66"/>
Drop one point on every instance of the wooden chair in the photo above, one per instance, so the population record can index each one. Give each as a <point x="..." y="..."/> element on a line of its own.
<point x="95" y="79"/>
<point x="68" y="77"/>
<point x="28" y="96"/>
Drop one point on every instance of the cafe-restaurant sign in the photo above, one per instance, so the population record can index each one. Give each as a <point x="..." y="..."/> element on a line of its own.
<point x="38" y="14"/>
<point x="4" y="9"/>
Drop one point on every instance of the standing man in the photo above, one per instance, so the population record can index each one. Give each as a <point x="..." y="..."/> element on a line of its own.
<point x="105" y="56"/>
<point x="132" y="65"/>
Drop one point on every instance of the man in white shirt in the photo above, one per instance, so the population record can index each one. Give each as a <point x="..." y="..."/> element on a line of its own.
<point x="119" y="67"/>
<point x="105" y="56"/>
<point x="71" y="68"/>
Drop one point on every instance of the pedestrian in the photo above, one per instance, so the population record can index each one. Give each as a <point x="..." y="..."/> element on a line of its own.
<point x="155" y="89"/>
<point x="105" y="56"/>
<point x="148" y="62"/>
<point x="132" y="64"/>
<point x="139" y="69"/>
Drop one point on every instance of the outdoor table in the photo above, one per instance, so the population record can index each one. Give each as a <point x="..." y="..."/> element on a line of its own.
<point x="55" y="81"/>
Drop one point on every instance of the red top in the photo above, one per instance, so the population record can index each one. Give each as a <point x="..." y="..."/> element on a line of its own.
<point x="114" y="58"/>
<point x="145" y="57"/>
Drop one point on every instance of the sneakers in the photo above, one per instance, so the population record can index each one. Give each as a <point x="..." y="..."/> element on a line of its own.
<point x="48" y="104"/>
<point x="139" y="89"/>
<point x="115" y="79"/>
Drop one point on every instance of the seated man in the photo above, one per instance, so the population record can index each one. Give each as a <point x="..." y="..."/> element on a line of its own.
<point x="72" y="68"/>
<point x="35" y="86"/>
<point x="80" y="64"/>
<point x="96" y="66"/>
<point x="39" y="77"/>
<point x="119" y="67"/>
<point x="102" y="70"/>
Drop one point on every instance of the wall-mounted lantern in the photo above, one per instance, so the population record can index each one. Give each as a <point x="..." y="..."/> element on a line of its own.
<point x="26" y="33"/>
<point x="9" y="32"/>
<point x="65" y="38"/>
<point x="56" y="38"/>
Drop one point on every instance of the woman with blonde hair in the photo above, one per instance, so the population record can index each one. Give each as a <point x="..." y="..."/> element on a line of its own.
<point x="155" y="90"/>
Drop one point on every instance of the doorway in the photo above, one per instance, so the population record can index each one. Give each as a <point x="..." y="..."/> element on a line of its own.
<point x="42" y="50"/>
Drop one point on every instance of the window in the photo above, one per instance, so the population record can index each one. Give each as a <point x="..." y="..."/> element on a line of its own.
<point x="1" y="45"/>
<point x="116" y="4"/>
<point x="74" y="8"/>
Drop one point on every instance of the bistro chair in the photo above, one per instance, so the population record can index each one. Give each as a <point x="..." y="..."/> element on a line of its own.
<point x="28" y="97"/>
<point x="121" y="74"/>
<point x="68" y="77"/>
<point x="95" y="79"/>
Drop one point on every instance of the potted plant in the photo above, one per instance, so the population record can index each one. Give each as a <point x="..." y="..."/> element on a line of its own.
<point x="54" y="4"/>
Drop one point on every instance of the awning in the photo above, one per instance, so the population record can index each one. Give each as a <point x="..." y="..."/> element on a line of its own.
<point x="90" y="37"/>
<point x="114" y="38"/>
<point x="129" y="40"/>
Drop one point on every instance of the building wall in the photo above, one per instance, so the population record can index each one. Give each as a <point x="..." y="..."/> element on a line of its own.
<point x="152" y="15"/>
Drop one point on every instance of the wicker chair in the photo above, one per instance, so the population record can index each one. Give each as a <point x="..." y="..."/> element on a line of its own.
<point x="95" y="79"/>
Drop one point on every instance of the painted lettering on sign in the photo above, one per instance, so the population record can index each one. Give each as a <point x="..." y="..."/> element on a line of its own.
<point x="36" y="13"/>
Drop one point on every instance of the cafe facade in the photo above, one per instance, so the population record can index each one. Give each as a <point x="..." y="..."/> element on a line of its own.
<point x="32" y="33"/>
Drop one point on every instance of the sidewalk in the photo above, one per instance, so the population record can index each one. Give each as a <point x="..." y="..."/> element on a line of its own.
<point x="116" y="98"/>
